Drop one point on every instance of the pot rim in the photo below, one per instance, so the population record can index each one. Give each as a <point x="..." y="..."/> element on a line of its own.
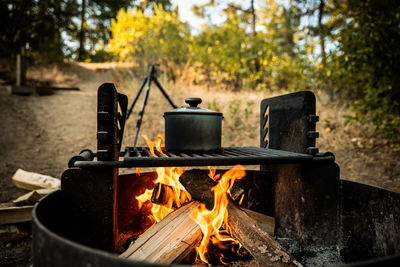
<point x="192" y="113"/>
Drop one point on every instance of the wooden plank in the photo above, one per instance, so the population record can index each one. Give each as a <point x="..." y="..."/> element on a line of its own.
<point x="32" y="197"/>
<point x="31" y="181"/>
<point x="167" y="240"/>
<point x="15" y="214"/>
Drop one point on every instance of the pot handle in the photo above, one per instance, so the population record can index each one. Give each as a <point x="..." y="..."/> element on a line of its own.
<point x="193" y="101"/>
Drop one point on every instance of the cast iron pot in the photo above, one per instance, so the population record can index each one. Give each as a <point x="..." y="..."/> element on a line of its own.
<point x="193" y="128"/>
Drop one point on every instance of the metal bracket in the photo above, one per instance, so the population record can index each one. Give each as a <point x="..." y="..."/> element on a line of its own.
<point x="288" y="123"/>
<point x="111" y="117"/>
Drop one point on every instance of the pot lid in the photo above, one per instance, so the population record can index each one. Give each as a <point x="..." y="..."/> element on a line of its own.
<point x="193" y="108"/>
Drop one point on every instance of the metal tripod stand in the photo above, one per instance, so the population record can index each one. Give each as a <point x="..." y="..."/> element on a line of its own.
<point x="147" y="81"/>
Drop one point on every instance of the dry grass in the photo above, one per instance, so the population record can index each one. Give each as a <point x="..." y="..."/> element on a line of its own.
<point x="54" y="74"/>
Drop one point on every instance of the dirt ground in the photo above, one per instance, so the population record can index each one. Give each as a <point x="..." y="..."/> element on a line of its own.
<point x="41" y="133"/>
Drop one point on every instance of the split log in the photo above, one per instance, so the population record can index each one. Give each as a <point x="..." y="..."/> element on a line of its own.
<point x="31" y="181"/>
<point x="261" y="246"/>
<point x="266" y="223"/>
<point x="15" y="214"/>
<point x="32" y="197"/>
<point x="168" y="241"/>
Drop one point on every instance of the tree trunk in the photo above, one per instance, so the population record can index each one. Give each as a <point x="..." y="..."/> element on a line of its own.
<point x="254" y="32"/>
<point x="81" y="36"/>
<point x="253" y="17"/>
<point x="320" y="30"/>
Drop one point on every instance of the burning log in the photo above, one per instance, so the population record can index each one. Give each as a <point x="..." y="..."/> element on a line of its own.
<point x="266" y="223"/>
<point x="168" y="241"/>
<point x="162" y="192"/>
<point x="262" y="247"/>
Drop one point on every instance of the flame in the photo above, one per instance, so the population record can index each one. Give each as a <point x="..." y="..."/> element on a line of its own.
<point x="241" y="200"/>
<point x="212" y="221"/>
<point x="168" y="176"/>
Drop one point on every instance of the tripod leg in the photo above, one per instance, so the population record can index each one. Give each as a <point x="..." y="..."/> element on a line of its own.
<point x="136" y="98"/>
<point x="141" y="112"/>
<point x="164" y="93"/>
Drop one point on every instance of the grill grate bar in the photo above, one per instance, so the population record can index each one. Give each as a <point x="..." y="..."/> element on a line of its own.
<point x="137" y="153"/>
<point x="169" y="154"/>
<point x="146" y="152"/>
<point x="233" y="154"/>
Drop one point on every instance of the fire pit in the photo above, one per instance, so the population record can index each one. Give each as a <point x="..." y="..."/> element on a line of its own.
<point x="319" y="219"/>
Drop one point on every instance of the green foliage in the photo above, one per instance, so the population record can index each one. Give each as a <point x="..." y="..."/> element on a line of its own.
<point x="229" y="55"/>
<point x="366" y="67"/>
<point x="157" y="38"/>
<point x="222" y="53"/>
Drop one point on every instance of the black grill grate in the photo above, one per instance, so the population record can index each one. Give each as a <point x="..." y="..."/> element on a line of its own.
<point x="141" y="157"/>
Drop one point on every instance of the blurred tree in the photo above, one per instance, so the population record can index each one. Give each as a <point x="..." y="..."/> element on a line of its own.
<point x="281" y="23"/>
<point x="222" y="52"/>
<point x="369" y="62"/>
<point x="151" y="38"/>
<point x="95" y="22"/>
<point x="37" y="23"/>
<point x="145" y="4"/>
<point x="46" y="24"/>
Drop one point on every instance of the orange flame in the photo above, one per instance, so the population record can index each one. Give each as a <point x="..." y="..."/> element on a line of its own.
<point x="168" y="176"/>
<point x="211" y="221"/>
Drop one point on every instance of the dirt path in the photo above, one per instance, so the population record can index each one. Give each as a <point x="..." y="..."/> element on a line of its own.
<point x="40" y="134"/>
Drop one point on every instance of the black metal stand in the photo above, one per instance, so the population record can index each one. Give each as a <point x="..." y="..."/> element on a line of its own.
<point x="147" y="81"/>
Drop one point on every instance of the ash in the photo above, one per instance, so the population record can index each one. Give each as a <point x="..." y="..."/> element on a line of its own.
<point x="312" y="255"/>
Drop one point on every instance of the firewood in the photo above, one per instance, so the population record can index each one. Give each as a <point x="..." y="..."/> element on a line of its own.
<point x="169" y="240"/>
<point x="15" y="214"/>
<point x="12" y="233"/>
<point x="160" y="197"/>
<point x="31" y="181"/>
<point x="261" y="246"/>
<point x="266" y="223"/>
<point x="32" y="197"/>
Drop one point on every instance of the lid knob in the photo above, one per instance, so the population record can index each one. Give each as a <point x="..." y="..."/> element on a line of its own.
<point x="193" y="101"/>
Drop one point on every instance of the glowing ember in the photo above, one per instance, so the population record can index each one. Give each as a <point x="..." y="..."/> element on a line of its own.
<point x="214" y="223"/>
<point x="168" y="176"/>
